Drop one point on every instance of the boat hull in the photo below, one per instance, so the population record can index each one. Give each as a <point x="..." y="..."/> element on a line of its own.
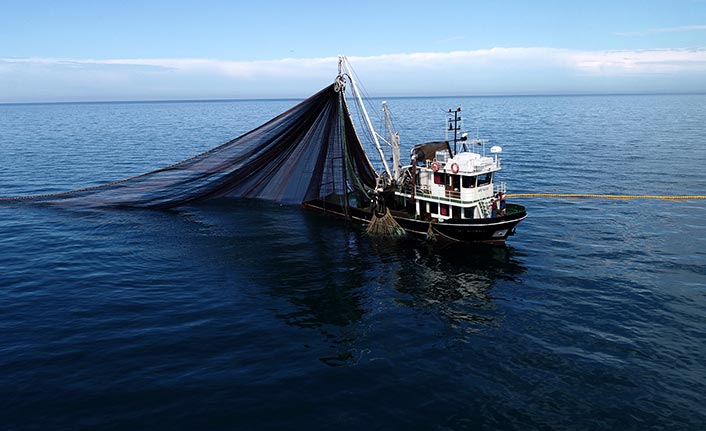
<point x="491" y="230"/>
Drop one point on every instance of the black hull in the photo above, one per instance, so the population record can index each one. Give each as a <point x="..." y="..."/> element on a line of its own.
<point x="492" y="230"/>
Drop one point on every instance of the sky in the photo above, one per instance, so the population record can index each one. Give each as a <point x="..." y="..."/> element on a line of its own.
<point x="104" y="50"/>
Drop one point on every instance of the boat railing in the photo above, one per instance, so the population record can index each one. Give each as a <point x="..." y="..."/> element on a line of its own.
<point x="450" y="196"/>
<point x="500" y="188"/>
<point x="454" y="194"/>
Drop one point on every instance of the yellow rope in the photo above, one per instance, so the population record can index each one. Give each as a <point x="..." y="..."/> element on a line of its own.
<point x="581" y="195"/>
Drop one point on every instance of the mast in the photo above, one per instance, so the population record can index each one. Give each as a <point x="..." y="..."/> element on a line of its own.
<point x="394" y="140"/>
<point x="343" y="62"/>
<point x="454" y="126"/>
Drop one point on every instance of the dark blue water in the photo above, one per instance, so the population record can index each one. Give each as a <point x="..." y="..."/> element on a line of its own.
<point x="248" y="315"/>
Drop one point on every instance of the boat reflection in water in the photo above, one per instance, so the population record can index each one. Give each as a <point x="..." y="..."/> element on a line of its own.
<point x="457" y="281"/>
<point x="355" y="291"/>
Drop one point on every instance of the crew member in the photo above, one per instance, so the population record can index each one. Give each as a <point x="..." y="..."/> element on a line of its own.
<point x="501" y="196"/>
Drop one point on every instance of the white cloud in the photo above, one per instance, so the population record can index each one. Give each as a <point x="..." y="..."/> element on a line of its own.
<point x="680" y="29"/>
<point x="608" y="63"/>
<point x="625" y="61"/>
<point x="518" y="69"/>
<point x="641" y="62"/>
<point x="236" y="69"/>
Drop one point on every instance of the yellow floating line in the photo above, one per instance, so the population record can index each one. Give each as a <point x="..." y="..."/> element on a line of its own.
<point x="582" y="195"/>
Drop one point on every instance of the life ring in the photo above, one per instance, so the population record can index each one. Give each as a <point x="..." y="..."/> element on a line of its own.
<point x="454" y="167"/>
<point x="435" y="166"/>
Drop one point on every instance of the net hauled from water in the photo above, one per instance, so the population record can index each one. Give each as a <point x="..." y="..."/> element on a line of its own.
<point x="309" y="152"/>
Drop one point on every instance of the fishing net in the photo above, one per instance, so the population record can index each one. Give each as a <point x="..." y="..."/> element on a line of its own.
<point x="385" y="226"/>
<point x="308" y="152"/>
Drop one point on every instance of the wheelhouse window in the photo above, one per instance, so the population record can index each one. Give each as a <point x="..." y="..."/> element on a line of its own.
<point x="438" y="178"/>
<point x="453" y="181"/>
<point x="468" y="182"/>
<point x="485" y="179"/>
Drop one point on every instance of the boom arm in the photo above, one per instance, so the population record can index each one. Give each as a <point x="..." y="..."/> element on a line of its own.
<point x="343" y="63"/>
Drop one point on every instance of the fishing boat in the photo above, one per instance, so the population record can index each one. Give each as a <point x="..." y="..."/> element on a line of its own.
<point x="312" y="155"/>
<point x="447" y="190"/>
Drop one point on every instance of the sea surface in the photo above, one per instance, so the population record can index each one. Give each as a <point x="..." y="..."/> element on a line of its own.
<point x="252" y="315"/>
